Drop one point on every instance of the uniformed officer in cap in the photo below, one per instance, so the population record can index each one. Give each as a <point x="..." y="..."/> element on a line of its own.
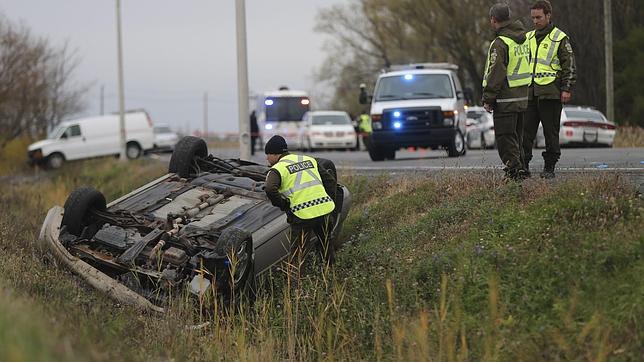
<point x="505" y="87"/>
<point x="305" y="190"/>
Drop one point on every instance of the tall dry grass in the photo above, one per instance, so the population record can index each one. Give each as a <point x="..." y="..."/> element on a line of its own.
<point x="629" y="136"/>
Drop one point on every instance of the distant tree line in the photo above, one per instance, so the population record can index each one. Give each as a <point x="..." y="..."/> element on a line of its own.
<point x="36" y="86"/>
<point x="369" y="35"/>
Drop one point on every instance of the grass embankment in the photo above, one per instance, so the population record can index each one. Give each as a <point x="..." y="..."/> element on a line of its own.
<point x="452" y="266"/>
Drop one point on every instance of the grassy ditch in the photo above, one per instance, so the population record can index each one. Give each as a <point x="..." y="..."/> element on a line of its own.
<point x="451" y="266"/>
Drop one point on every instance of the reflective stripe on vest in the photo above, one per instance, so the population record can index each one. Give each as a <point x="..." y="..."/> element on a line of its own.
<point x="544" y="59"/>
<point x="518" y="71"/>
<point x="302" y="185"/>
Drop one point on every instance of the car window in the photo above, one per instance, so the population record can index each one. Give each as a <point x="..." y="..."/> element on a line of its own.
<point x="57" y="132"/>
<point x="73" y="131"/>
<point x="331" y="120"/>
<point x="584" y="114"/>
<point x="414" y="86"/>
<point x="162" y="130"/>
<point x="477" y="116"/>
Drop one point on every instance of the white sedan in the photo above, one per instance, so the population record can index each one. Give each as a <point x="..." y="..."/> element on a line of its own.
<point x="582" y="126"/>
<point x="479" y="128"/>
<point x="164" y="138"/>
<point x="327" y="130"/>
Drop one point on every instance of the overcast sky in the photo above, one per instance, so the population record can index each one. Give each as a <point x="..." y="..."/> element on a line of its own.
<point x="174" y="51"/>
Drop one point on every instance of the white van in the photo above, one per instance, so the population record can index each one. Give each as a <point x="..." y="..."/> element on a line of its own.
<point x="93" y="137"/>
<point x="417" y="105"/>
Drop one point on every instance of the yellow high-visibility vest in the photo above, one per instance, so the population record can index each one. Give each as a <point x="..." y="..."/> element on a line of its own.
<point x="302" y="185"/>
<point x="365" y="124"/>
<point x="544" y="61"/>
<point x="518" y="71"/>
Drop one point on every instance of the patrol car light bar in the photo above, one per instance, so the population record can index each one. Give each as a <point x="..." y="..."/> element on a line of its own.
<point x="448" y="66"/>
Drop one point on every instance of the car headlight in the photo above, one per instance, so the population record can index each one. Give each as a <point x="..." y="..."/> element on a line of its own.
<point x="376" y="125"/>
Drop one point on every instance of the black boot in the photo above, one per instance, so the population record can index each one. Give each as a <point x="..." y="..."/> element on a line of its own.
<point x="548" y="171"/>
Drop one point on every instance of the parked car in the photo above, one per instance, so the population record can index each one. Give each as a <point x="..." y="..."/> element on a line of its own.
<point x="206" y="226"/>
<point x="581" y="126"/>
<point x="93" y="137"/>
<point x="328" y="129"/>
<point x="416" y="105"/>
<point x="480" y="132"/>
<point x="164" y="138"/>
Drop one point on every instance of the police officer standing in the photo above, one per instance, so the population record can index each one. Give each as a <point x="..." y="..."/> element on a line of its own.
<point x="305" y="190"/>
<point x="505" y="87"/>
<point x="364" y="127"/>
<point x="553" y="68"/>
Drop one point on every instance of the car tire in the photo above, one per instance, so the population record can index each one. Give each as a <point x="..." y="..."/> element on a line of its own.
<point x="55" y="161"/>
<point x="456" y="146"/>
<point x="237" y="242"/>
<point x="376" y="154"/>
<point x="329" y="166"/>
<point x="390" y="154"/>
<point x="182" y="161"/>
<point x="77" y="206"/>
<point x="132" y="150"/>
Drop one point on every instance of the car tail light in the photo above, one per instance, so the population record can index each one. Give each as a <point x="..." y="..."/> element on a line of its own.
<point x="569" y="133"/>
<point x="376" y="117"/>
<point x="574" y="124"/>
<point x="608" y="126"/>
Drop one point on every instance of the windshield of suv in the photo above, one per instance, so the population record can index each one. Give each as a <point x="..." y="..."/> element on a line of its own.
<point x="414" y="86"/>
<point x="286" y="109"/>
<point x="56" y="132"/>
<point x="331" y="119"/>
<point x="584" y="114"/>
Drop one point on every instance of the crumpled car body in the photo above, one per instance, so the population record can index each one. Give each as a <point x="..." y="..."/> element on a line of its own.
<point x="207" y="224"/>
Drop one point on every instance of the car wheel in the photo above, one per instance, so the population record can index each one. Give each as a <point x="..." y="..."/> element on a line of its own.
<point x="390" y="154"/>
<point x="55" y="161"/>
<point x="237" y="245"/>
<point x="183" y="161"/>
<point x="456" y="146"/>
<point x="78" y="206"/>
<point x="376" y="154"/>
<point x="133" y="150"/>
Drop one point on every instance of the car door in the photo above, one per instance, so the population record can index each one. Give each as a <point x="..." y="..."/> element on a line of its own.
<point x="74" y="145"/>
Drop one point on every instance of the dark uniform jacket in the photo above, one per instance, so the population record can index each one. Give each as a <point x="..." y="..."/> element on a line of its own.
<point x="274" y="181"/>
<point x="566" y="77"/>
<point x="497" y="84"/>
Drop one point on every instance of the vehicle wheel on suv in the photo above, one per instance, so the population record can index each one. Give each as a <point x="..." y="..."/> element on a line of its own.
<point x="182" y="161"/>
<point x="390" y="154"/>
<point x="376" y="154"/>
<point x="78" y="207"/>
<point x="55" y="161"/>
<point x="133" y="150"/>
<point x="456" y="147"/>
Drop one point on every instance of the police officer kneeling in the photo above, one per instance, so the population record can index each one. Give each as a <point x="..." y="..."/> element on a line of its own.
<point x="305" y="190"/>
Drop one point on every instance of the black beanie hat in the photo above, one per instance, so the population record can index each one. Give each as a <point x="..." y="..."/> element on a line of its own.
<point x="276" y="146"/>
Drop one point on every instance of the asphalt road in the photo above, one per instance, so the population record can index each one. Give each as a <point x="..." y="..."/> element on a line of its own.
<point x="625" y="159"/>
<point x="629" y="161"/>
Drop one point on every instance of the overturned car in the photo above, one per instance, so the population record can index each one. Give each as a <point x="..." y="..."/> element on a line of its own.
<point x="205" y="226"/>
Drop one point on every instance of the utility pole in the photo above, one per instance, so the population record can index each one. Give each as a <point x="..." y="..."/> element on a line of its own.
<point x="102" y="99"/>
<point x="123" y="156"/>
<point x="608" y="49"/>
<point x="205" y="115"/>
<point x="242" y="81"/>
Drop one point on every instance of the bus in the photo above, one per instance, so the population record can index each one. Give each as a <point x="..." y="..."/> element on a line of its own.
<point x="280" y="113"/>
